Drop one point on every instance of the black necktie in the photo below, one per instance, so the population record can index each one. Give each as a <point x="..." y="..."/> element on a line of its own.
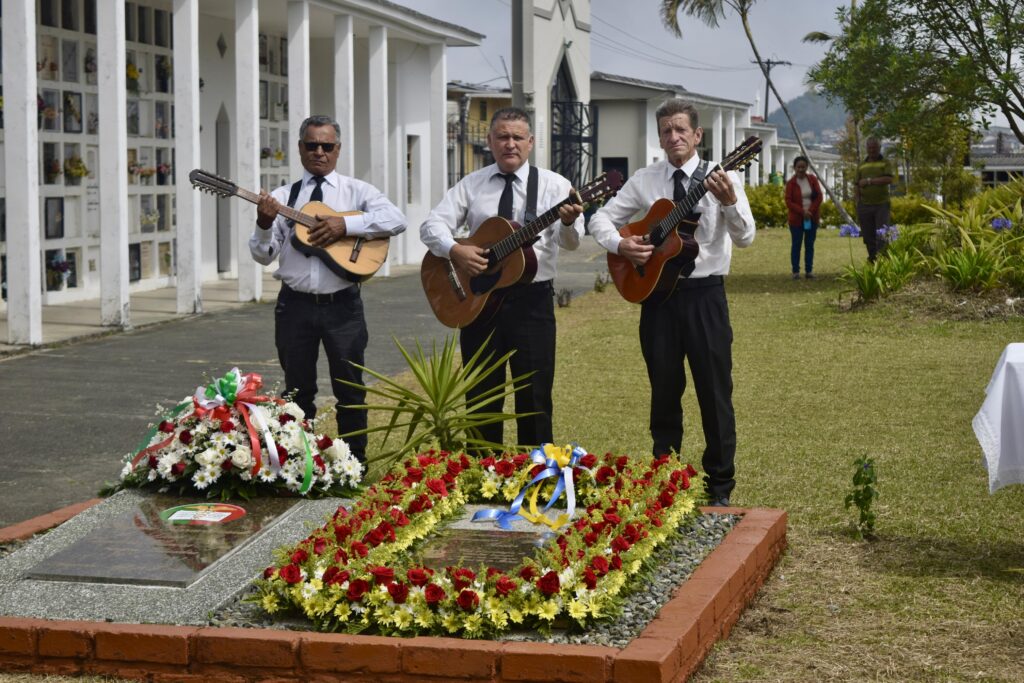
<point x="505" y="203"/>
<point x="318" y="194"/>
<point x="680" y="185"/>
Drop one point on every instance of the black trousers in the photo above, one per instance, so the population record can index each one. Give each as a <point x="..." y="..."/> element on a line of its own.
<point x="693" y="323"/>
<point x="526" y="323"/>
<point x="871" y="218"/>
<point x="302" y="322"/>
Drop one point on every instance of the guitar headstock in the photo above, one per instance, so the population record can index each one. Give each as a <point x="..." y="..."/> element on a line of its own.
<point x="208" y="182"/>
<point x="743" y="155"/>
<point x="602" y="187"/>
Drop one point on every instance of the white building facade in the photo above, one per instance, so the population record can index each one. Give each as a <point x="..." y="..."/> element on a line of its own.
<point x="108" y="105"/>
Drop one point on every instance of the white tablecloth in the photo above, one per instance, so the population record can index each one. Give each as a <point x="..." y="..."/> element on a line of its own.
<point x="999" y="425"/>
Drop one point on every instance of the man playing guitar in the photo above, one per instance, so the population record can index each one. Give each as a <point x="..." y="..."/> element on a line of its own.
<point x="525" y="321"/>
<point x="694" y="320"/>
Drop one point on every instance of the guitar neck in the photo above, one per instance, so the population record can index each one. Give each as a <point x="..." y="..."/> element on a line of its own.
<point x="684" y="207"/>
<point x="525" y="235"/>
<point x="286" y="211"/>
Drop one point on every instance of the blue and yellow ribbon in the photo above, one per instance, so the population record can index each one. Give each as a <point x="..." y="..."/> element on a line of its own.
<point x="558" y="462"/>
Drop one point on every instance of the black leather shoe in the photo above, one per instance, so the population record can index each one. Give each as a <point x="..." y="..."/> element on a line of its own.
<point x="720" y="502"/>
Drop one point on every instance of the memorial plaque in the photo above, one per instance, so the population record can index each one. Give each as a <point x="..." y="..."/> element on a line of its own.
<point x="491" y="547"/>
<point x="164" y="541"/>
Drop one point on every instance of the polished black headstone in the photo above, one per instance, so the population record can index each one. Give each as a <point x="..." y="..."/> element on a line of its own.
<point x="141" y="547"/>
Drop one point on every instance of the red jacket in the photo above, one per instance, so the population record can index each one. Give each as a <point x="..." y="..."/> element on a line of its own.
<point x="795" y="201"/>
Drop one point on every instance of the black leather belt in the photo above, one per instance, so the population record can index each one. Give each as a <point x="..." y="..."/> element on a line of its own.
<point x="346" y="294"/>
<point x="531" y="288"/>
<point x="698" y="282"/>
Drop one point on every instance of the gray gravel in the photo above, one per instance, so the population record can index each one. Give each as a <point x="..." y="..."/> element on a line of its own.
<point x="675" y="560"/>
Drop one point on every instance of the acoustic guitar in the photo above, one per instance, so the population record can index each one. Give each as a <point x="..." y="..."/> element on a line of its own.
<point x="457" y="299"/>
<point x="669" y="226"/>
<point x="353" y="258"/>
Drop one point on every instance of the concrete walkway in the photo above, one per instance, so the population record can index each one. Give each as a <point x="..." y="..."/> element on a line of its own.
<point x="70" y="409"/>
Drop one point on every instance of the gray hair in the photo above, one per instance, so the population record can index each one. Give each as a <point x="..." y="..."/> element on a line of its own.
<point x="676" y="106"/>
<point x="317" y="121"/>
<point x="512" y="114"/>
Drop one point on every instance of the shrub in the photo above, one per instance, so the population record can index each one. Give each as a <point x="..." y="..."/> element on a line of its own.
<point x="911" y="209"/>
<point x="768" y="204"/>
<point x="997" y="197"/>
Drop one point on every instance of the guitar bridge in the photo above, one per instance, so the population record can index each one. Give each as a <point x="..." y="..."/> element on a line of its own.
<point x="453" y="279"/>
<point x="356" y="248"/>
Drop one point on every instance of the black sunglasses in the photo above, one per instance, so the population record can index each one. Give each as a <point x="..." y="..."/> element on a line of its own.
<point x="327" y="146"/>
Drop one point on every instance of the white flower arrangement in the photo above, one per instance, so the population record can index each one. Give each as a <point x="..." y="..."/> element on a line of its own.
<point x="228" y="440"/>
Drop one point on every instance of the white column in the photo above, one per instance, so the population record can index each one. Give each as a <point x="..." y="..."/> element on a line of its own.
<point x="247" y="141"/>
<point x="379" y="124"/>
<point x="113" y="141"/>
<point x="298" y="77"/>
<point x="438" y="176"/>
<point x="186" y="154"/>
<point x="730" y="132"/>
<point x="717" y="153"/>
<point x="344" y="96"/>
<point x="378" y="81"/>
<point x="755" y="173"/>
<point x="21" y="152"/>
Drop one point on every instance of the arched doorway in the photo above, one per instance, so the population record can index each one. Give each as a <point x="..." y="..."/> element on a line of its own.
<point x="573" y="130"/>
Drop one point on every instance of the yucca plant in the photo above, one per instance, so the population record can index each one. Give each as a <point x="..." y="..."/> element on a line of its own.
<point x="868" y="279"/>
<point x="437" y="411"/>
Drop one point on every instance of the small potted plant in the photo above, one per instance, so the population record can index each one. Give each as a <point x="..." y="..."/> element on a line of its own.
<point x="75" y="169"/>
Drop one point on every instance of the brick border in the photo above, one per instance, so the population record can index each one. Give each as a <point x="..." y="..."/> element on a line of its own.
<point x="670" y="649"/>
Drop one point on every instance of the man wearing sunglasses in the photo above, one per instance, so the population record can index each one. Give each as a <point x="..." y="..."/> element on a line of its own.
<point x="315" y="305"/>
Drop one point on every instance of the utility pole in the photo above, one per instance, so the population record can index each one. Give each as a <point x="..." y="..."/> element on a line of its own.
<point x="768" y="64"/>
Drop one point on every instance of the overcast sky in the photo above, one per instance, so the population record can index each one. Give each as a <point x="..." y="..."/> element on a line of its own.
<point x="628" y="39"/>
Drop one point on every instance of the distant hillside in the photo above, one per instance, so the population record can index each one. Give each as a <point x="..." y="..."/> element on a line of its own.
<point x="812" y="115"/>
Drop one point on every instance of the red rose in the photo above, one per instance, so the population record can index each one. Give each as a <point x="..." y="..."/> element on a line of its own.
<point x="398" y="517"/>
<point x="464" y="461"/>
<point x="536" y="469"/>
<point x="590" y="578"/>
<point x="151" y="462"/>
<point x="387" y="530"/>
<point x="505" y="468"/>
<point x="666" y="499"/>
<point x="341" y="556"/>
<point x="382" y="575"/>
<point x="282" y="453"/>
<point x="600" y="565"/>
<point x="468" y="600"/>
<point x="461" y="578"/>
<point x="374" y="538"/>
<point x="527" y="573"/>
<point x="549" y="583"/>
<point x="604" y="474"/>
<point x="437" y="486"/>
<point x="616" y="562"/>
<point x="590" y="539"/>
<point x="226" y="465"/>
<point x="285" y="418"/>
<point x="359" y="549"/>
<point x="621" y="462"/>
<point x="419" y="576"/>
<point x="489" y="461"/>
<point x="453" y="468"/>
<point x="399" y="592"/>
<point x="505" y="585"/>
<point x="414" y="474"/>
<point x="178" y="468"/>
<point x="333" y="576"/>
<point x="340" y="513"/>
<point x="357" y="589"/>
<point x="433" y="594"/>
<point x="166" y="427"/>
<point x="324" y="442"/>
<point x="619" y="544"/>
<point x="227" y="426"/>
<point x="291" y="573"/>
<point x="341" y="532"/>
<point x="690" y="471"/>
<point x="632" y="533"/>
<point x="612" y="518"/>
<point x="518" y="460"/>
<point x="588" y="460"/>
<point x="492" y="572"/>
<point x="425" y="460"/>
<point x="185" y="437"/>
<point x="319" y="462"/>
<point x="299" y="556"/>
<point x="268" y="573"/>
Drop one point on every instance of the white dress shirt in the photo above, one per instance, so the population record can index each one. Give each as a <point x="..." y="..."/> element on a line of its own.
<point x="380" y="218"/>
<point x="719" y="226"/>
<point x="474" y="199"/>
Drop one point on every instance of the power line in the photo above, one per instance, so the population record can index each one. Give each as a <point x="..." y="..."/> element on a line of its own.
<point x="768" y="64"/>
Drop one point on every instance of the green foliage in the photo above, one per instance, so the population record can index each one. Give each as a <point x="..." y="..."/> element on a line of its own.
<point x="868" y="279"/>
<point x="911" y="209"/>
<point x="437" y="411"/>
<point x="970" y="255"/>
<point x="995" y="198"/>
<point x="768" y="205"/>
<point x="830" y="214"/>
<point x="863" y="495"/>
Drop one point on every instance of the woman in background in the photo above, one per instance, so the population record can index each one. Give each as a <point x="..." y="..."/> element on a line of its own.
<point x="803" y="199"/>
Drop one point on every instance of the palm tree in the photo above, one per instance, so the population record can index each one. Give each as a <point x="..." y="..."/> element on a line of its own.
<point x="710" y="12"/>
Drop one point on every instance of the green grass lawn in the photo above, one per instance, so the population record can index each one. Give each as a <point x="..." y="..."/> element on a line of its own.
<point x="939" y="596"/>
